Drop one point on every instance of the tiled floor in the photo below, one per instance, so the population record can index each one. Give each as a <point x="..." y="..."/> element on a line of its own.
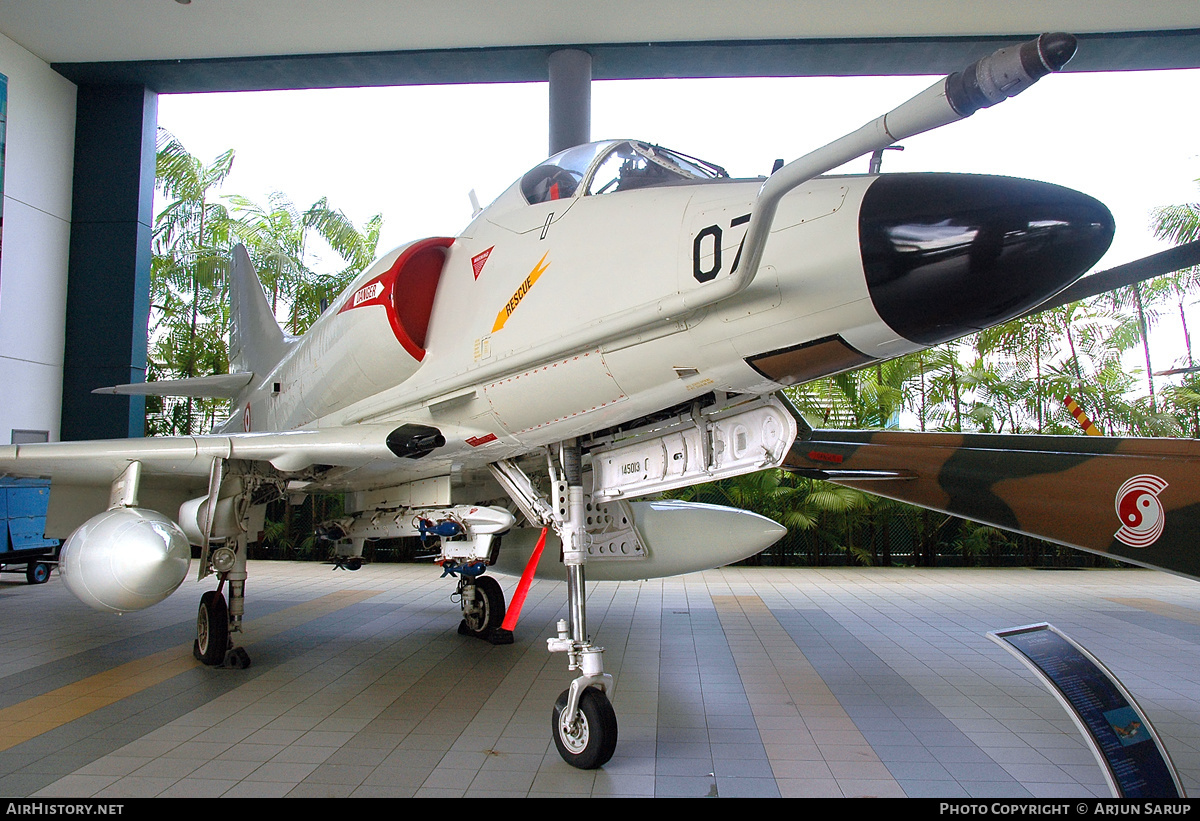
<point x="735" y="682"/>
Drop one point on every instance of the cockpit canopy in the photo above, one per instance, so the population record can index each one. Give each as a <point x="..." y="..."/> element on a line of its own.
<point x="608" y="167"/>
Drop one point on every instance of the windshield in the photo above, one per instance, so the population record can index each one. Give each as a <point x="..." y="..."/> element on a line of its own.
<point x="559" y="176"/>
<point x="619" y="166"/>
<point x="631" y="165"/>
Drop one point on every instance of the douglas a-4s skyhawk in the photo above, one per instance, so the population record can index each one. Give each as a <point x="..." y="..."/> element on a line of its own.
<point x="618" y="323"/>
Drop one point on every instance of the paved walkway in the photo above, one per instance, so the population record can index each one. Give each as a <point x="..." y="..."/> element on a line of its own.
<point x="734" y="682"/>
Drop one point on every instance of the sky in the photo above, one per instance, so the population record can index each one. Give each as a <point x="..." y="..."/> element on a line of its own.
<point x="412" y="154"/>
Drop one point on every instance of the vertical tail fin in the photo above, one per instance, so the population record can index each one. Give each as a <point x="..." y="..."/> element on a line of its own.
<point x="256" y="342"/>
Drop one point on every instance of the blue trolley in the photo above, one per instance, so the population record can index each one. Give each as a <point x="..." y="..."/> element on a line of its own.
<point x="23" y="545"/>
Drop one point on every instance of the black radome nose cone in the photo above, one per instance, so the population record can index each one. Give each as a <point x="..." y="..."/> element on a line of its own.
<point x="949" y="254"/>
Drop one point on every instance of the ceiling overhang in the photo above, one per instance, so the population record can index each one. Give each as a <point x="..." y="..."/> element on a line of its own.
<point x="225" y="45"/>
<point x="754" y="58"/>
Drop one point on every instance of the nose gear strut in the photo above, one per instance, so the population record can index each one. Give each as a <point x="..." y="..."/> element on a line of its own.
<point x="583" y="723"/>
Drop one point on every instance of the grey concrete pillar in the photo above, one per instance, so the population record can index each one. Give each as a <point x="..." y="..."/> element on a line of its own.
<point x="570" y="99"/>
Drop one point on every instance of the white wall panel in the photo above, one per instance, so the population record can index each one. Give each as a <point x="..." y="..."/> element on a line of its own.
<point x="38" y="165"/>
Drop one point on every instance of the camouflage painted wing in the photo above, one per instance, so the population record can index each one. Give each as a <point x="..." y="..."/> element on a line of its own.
<point x="1137" y="500"/>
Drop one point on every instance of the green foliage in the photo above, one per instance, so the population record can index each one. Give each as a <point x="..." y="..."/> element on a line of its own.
<point x="189" y="315"/>
<point x="279" y="237"/>
<point x="979" y="540"/>
<point x="194" y="235"/>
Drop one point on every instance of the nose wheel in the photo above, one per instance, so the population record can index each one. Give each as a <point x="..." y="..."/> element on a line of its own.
<point x="590" y="740"/>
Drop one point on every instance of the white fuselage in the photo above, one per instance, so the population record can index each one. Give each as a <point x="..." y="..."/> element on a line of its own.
<point x="521" y="349"/>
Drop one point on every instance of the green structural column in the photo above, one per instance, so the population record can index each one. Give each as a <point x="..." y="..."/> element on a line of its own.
<point x="108" y="285"/>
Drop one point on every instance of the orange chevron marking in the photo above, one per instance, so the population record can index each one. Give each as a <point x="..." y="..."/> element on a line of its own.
<point x="520" y="293"/>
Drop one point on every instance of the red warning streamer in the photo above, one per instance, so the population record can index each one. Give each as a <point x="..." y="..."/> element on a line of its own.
<point x="518" y="599"/>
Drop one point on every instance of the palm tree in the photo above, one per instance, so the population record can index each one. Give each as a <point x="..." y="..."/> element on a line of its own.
<point x="1023" y="349"/>
<point x="278" y="237"/>
<point x="871" y="397"/>
<point x="1180" y="224"/>
<point x="1142" y="299"/>
<point x="193" y="236"/>
<point x="189" y="268"/>
<point x="1184" y="402"/>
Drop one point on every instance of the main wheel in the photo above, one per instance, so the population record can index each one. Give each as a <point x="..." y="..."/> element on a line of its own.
<point x="37" y="572"/>
<point x="212" y="629"/>
<point x="591" y="741"/>
<point x="484" y="611"/>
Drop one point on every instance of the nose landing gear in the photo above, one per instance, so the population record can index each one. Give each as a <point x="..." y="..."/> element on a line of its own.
<point x="583" y="723"/>
<point x="590" y="740"/>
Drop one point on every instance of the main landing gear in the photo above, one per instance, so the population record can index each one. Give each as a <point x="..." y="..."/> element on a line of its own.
<point x="212" y="629"/>
<point x="223" y="552"/>
<point x="466" y="539"/>
<point x="216" y="622"/>
<point x="482" y="603"/>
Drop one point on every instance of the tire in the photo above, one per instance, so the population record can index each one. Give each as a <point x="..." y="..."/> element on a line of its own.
<point x="489" y="609"/>
<point x="37" y="572"/>
<point x="212" y="629"/>
<point x="594" y="739"/>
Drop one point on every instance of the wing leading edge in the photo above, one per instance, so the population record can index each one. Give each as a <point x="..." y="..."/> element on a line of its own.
<point x="102" y="461"/>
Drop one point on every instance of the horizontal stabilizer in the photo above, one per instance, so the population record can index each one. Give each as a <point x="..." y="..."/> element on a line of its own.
<point x="220" y="386"/>
<point x="1137" y="500"/>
